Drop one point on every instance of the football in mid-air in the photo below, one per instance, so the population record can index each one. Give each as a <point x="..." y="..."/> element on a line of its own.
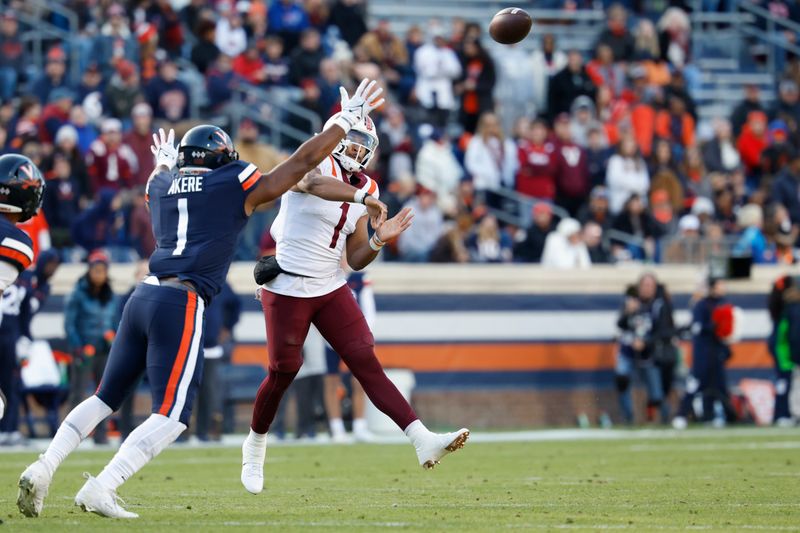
<point x="510" y="25"/>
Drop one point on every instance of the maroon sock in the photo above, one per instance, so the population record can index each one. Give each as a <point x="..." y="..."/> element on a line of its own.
<point x="268" y="398"/>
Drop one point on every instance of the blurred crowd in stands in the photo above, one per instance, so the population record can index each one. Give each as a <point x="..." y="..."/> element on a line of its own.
<point x="601" y="158"/>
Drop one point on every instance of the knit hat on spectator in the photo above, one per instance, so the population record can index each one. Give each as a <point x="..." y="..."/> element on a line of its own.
<point x="125" y="69"/>
<point x="702" y="206"/>
<point x="56" y="54"/>
<point x="689" y="223"/>
<point x="67" y="132"/>
<point x="541" y="208"/>
<point x="61" y="93"/>
<point x="111" y="125"/>
<point x="778" y="131"/>
<point x="98" y="256"/>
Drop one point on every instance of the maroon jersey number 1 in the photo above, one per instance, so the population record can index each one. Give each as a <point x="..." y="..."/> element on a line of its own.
<point x="345" y="207"/>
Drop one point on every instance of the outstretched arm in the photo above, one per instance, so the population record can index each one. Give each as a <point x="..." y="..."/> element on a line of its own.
<point x="313" y="151"/>
<point x="335" y="190"/>
<point x="362" y="250"/>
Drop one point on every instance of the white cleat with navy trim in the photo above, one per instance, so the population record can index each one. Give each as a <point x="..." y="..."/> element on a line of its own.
<point x="96" y="498"/>
<point x="434" y="446"/>
<point x="33" y="486"/>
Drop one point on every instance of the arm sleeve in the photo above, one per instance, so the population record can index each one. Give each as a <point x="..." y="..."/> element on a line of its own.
<point x="16" y="250"/>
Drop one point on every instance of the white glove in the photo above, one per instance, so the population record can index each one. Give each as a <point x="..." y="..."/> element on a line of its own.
<point x="355" y="108"/>
<point x="164" y="149"/>
<point x="23" y="348"/>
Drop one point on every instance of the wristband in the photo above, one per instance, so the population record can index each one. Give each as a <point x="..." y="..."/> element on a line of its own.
<point x="359" y="196"/>
<point x="346" y="121"/>
<point x="375" y="243"/>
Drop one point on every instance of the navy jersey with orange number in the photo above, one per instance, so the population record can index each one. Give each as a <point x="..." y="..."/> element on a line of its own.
<point x="16" y="247"/>
<point x="197" y="215"/>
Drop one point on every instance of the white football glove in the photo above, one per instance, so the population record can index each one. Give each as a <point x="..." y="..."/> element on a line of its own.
<point x="164" y="149"/>
<point x="355" y="108"/>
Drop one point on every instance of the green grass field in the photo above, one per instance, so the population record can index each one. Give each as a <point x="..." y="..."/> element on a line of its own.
<point x="726" y="481"/>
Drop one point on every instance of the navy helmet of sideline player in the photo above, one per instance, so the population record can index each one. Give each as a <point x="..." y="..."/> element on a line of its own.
<point x="21" y="190"/>
<point x="197" y="211"/>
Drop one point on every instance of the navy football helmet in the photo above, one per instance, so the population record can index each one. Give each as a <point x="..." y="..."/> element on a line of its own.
<point x="206" y="146"/>
<point x="21" y="186"/>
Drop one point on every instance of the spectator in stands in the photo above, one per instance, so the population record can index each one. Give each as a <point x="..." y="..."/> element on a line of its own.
<point x="675" y="37"/>
<point x="626" y="175"/>
<point x="249" y="66"/>
<point x="60" y="200"/>
<point x="348" y="16"/>
<point x="436" y="67"/>
<point x="288" y="19"/>
<point x="450" y="247"/>
<point x="139" y="139"/>
<point x="571" y="82"/>
<point x="53" y="77"/>
<point x="778" y="152"/>
<point x="399" y="192"/>
<point x="92" y="83"/>
<point x="646" y="46"/>
<point x="662" y="209"/>
<point x="115" y="41"/>
<point x="230" y="36"/>
<point x="304" y="61"/>
<point x="87" y="133"/>
<point x="167" y="95"/>
<point x="221" y="82"/>
<point x="111" y="163"/>
<point x="597" y="154"/>
<point x="787" y="108"/>
<point x="676" y="125"/>
<point x="596" y="209"/>
<point x="640" y="228"/>
<point x="616" y="34"/>
<point x="387" y="51"/>
<point x="488" y="243"/>
<point x="725" y="209"/>
<point x="752" y="141"/>
<point x="66" y="146"/>
<point x="720" y="153"/>
<point x="786" y="189"/>
<point x="751" y="102"/>
<point x="55" y="114"/>
<point x="206" y="51"/>
<point x="604" y="72"/>
<point x="140" y="228"/>
<point x="96" y="227"/>
<point x="123" y="91"/>
<point x="276" y="66"/>
<point x="593" y="239"/>
<point x="89" y="324"/>
<point x="12" y="55"/>
<point x="396" y="136"/>
<point x="547" y="61"/>
<point x="752" y="241"/>
<point x="583" y="117"/>
<point x="686" y="247"/>
<point x="250" y="148"/>
<point x="310" y="102"/>
<point x="564" y="248"/>
<point x="416" y="244"/>
<point x="571" y="170"/>
<point x="476" y="84"/>
<point x="491" y="158"/>
<point x="438" y="169"/>
<point x="536" y="171"/>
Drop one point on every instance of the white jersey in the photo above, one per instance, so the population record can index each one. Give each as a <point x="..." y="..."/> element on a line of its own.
<point x="311" y="233"/>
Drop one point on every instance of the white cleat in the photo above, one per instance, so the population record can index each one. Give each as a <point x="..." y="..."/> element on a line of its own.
<point x="431" y="450"/>
<point x="94" y="497"/>
<point x="341" y="438"/>
<point x="679" y="422"/>
<point x="363" y="435"/>
<point x="253" y="466"/>
<point x="33" y="486"/>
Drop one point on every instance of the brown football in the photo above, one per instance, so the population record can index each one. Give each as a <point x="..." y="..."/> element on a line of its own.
<point x="510" y="25"/>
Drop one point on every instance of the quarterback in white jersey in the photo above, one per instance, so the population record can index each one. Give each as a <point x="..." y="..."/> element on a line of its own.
<point x="316" y="227"/>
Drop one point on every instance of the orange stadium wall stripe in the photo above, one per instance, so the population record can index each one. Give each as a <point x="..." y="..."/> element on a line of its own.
<point x="505" y="357"/>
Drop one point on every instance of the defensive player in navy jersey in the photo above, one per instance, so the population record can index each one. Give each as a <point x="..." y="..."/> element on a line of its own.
<point x="21" y="189"/>
<point x="197" y="214"/>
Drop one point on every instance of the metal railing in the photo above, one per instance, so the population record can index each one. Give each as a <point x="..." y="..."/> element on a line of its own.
<point x="41" y="30"/>
<point x="770" y="36"/>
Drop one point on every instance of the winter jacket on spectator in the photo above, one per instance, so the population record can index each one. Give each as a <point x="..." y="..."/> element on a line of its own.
<point x="384" y="48"/>
<point x="786" y="191"/>
<point x="169" y="99"/>
<point x="204" y="54"/>
<point x="531" y="248"/>
<point x="545" y="65"/>
<point x="304" y="64"/>
<point x="416" y="242"/>
<point x="121" y="94"/>
<point x="741" y="112"/>
<point x="88" y="317"/>
<point x="641" y="225"/>
<point x="44" y="85"/>
<point x="537" y="168"/>
<point x="348" y="16"/>
<point x="438" y="169"/>
<point x="476" y="84"/>
<point x="276" y="73"/>
<point x="620" y="41"/>
<point x="565" y="87"/>
<point x="487" y="244"/>
<point x="220" y="85"/>
<point x="60" y="203"/>
<point x="286" y="16"/>
<point x="110" y="167"/>
<point x="53" y="117"/>
<point x="140" y="143"/>
<point x="643" y="121"/>
<point x="112" y="45"/>
<point x="12" y="52"/>
<point x="94" y="227"/>
<point x="492" y="163"/>
<point x="596" y="164"/>
<point x="571" y="174"/>
<point x="678" y="129"/>
<point x="436" y="68"/>
<point x="231" y="40"/>
<point x="249" y="68"/>
<point x="720" y="155"/>
<point x="625" y="176"/>
<point x="564" y="248"/>
<point x="751" y="145"/>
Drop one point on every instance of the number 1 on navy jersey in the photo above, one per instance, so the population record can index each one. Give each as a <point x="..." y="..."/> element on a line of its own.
<point x="183" y="225"/>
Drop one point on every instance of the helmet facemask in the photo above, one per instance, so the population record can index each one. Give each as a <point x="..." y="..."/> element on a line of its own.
<point x="355" y="151"/>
